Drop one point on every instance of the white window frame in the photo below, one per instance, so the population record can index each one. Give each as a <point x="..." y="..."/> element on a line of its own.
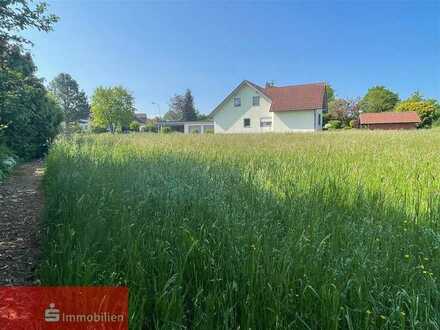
<point x="237" y="102"/>
<point x="256" y="104"/>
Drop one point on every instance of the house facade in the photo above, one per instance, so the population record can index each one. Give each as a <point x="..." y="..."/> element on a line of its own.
<point x="389" y="120"/>
<point x="250" y="108"/>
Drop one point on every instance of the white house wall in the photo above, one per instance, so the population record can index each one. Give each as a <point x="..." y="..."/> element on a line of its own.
<point x="297" y="121"/>
<point x="229" y="119"/>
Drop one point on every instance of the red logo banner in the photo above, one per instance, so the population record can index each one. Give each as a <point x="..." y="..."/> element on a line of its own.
<point x="67" y="308"/>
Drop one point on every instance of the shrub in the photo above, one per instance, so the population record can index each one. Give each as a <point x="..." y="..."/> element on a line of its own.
<point x="209" y="131"/>
<point x="134" y="126"/>
<point x="333" y="124"/>
<point x="99" y="129"/>
<point x="7" y="161"/>
<point x="150" y="127"/>
<point x="436" y="124"/>
<point x="354" y="123"/>
<point x="427" y="109"/>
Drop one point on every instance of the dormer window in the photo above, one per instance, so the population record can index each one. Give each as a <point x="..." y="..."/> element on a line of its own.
<point x="255" y="101"/>
<point x="237" y="102"/>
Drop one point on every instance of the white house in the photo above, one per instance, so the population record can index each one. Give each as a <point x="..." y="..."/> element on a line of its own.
<point x="250" y="108"/>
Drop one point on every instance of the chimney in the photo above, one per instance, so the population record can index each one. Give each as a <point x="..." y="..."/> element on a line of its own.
<point x="269" y="84"/>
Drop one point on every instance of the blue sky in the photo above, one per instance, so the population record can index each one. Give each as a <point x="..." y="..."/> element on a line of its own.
<point x="157" y="49"/>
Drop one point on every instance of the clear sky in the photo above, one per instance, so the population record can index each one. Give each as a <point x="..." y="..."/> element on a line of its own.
<point x="157" y="49"/>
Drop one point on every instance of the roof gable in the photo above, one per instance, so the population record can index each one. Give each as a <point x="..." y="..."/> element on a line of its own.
<point x="389" y="118"/>
<point x="236" y="90"/>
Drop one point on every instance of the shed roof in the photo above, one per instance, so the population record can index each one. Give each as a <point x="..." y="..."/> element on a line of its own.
<point x="389" y="118"/>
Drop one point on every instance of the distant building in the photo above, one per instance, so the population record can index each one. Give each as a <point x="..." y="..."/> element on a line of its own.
<point x="389" y="120"/>
<point x="140" y="117"/>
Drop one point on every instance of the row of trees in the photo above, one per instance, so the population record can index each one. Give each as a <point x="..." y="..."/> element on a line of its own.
<point x="111" y="108"/>
<point x="345" y="112"/>
<point x="29" y="114"/>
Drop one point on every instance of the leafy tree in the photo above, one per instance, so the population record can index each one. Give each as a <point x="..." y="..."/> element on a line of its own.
<point x="171" y="115"/>
<point x="343" y="110"/>
<point x="19" y="15"/>
<point x="112" y="107"/>
<point x="72" y="100"/>
<point x="427" y="109"/>
<point x="182" y="108"/>
<point x="31" y="116"/>
<point x="378" y="99"/>
<point x="330" y="93"/>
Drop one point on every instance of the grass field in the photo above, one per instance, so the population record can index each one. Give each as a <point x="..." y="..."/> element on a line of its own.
<point x="322" y="231"/>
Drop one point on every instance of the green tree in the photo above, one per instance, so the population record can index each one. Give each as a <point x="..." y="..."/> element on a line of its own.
<point x="427" y="109"/>
<point x="343" y="110"/>
<point x="112" y="107"/>
<point x="378" y="99"/>
<point x="72" y="100"/>
<point x="19" y="15"/>
<point x="182" y="108"/>
<point x="31" y="116"/>
<point x="330" y="93"/>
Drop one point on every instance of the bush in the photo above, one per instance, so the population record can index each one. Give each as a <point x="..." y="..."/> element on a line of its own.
<point x="72" y="128"/>
<point x="134" y="126"/>
<point x="7" y="161"/>
<point x="209" y="131"/>
<point x="99" y="129"/>
<point x="333" y="124"/>
<point x="427" y="109"/>
<point x="150" y="127"/>
<point x="354" y="123"/>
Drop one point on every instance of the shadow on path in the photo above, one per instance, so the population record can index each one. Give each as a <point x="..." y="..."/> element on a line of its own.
<point x="20" y="205"/>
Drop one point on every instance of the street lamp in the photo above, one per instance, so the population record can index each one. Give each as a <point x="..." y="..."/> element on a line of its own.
<point x="158" y="109"/>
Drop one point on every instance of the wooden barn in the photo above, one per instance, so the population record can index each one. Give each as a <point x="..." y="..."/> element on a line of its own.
<point x="389" y="120"/>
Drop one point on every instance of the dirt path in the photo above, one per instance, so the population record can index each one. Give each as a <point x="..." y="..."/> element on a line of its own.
<point x="20" y="205"/>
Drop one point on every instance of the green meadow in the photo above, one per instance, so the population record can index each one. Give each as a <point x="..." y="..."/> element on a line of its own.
<point x="276" y="231"/>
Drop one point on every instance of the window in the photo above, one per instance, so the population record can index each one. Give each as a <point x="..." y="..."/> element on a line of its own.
<point x="266" y="122"/>
<point x="255" y="100"/>
<point x="237" y="101"/>
<point x="319" y="119"/>
<point x="247" y="122"/>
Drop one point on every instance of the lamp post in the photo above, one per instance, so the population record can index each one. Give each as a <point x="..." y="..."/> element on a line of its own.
<point x="158" y="109"/>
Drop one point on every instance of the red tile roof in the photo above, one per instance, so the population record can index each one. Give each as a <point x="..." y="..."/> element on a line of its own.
<point x="297" y="97"/>
<point x="288" y="98"/>
<point x="389" y="118"/>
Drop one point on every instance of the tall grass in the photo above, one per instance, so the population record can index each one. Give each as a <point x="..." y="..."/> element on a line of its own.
<point x="323" y="231"/>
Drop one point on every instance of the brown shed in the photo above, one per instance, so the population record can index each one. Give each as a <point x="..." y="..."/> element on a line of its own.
<point x="389" y="120"/>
